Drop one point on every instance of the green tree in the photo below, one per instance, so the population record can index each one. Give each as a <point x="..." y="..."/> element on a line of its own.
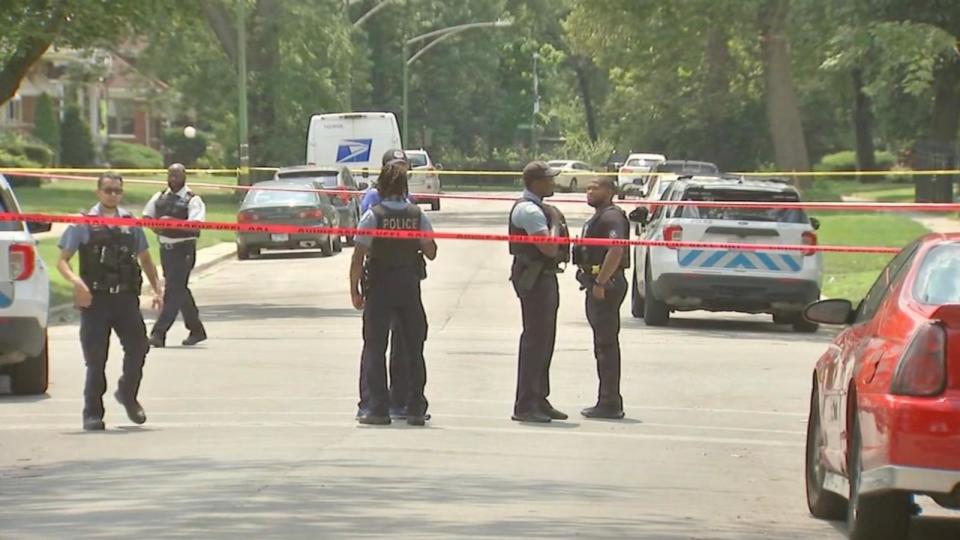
<point x="76" y="143"/>
<point x="46" y="124"/>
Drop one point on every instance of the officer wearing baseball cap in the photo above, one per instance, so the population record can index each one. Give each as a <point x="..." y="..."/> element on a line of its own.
<point x="534" y="277"/>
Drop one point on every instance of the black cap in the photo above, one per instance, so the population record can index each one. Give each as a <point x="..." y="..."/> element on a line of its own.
<point x="394" y="155"/>
<point x="537" y="170"/>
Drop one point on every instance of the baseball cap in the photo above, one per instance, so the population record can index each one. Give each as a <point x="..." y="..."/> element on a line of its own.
<point x="536" y="170"/>
<point x="394" y="155"/>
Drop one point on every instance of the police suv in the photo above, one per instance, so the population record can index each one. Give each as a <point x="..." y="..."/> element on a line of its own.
<point x="781" y="283"/>
<point x="24" y="301"/>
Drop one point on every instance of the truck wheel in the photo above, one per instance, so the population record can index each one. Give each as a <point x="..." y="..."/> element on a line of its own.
<point x="883" y="516"/>
<point x="636" y="301"/>
<point x="32" y="375"/>
<point x="655" y="312"/>
<point x="337" y="244"/>
<point x="326" y="249"/>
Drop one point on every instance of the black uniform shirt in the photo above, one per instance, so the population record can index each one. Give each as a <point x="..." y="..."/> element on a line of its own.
<point x="607" y="223"/>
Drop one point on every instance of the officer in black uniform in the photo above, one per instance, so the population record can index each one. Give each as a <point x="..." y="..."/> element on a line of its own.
<point x="601" y="274"/>
<point x="107" y="291"/>
<point x="385" y="275"/>
<point x="178" y="255"/>
<point x="534" y="277"/>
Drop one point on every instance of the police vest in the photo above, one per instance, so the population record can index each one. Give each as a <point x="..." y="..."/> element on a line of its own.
<point x="529" y="253"/>
<point x="169" y="204"/>
<point x="587" y="256"/>
<point x="396" y="252"/>
<point x="108" y="262"/>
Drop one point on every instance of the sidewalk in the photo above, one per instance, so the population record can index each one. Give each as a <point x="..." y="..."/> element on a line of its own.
<point x="934" y="222"/>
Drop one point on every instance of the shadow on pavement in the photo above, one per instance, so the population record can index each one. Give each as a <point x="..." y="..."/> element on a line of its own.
<point x="190" y="498"/>
<point x="245" y="311"/>
<point x="732" y="329"/>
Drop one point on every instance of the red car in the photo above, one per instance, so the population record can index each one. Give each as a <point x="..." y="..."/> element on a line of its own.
<point x="885" y="406"/>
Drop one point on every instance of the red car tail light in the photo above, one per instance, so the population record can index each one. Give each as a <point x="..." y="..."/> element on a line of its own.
<point x="23" y="261"/>
<point x="809" y="239"/>
<point x="312" y="214"/>
<point x="673" y="233"/>
<point x="922" y="370"/>
<point x="247" y="217"/>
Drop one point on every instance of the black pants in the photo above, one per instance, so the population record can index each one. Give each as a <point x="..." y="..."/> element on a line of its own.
<point x="539" y="306"/>
<point x="399" y="386"/>
<point x="178" y="262"/>
<point x="604" y="318"/>
<point x="393" y="300"/>
<point x="119" y="313"/>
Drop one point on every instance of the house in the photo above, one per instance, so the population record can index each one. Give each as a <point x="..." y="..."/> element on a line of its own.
<point x="118" y="102"/>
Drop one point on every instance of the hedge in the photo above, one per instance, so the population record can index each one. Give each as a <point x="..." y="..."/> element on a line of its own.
<point x="133" y="156"/>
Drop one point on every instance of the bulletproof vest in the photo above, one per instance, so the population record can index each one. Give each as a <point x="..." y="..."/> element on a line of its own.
<point x="396" y="252"/>
<point x="108" y="262"/>
<point x="169" y="204"/>
<point x="587" y="256"/>
<point x="526" y="252"/>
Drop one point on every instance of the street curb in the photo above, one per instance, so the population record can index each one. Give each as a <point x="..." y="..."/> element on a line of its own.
<point x="57" y="313"/>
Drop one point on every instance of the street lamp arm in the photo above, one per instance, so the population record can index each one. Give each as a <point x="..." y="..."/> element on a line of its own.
<point x="458" y="28"/>
<point x="434" y="43"/>
<point x="373" y="11"/>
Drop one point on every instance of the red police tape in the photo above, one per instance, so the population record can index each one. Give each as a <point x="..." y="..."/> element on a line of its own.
<point x="379" y="233"/>
<point x="832" y="206"/>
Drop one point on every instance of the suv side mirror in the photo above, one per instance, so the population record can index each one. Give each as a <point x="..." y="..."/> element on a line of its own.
<point x="832" y="311"/>
<point x="640" y="214"/>
<point x="815" y="223"/>
<point x="438" y="166"/>
<point x="363" y="186"/>
<point x="38" y="227"/>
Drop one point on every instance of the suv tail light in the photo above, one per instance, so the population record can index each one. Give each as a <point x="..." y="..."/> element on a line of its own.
<point x="312" y="214"/>
<point x="810" y="239"/>
<point x="922" y="370"/>
<point x="673" y="233"/>
<point x="247" y="216"/>
<point x="23" y="261"/>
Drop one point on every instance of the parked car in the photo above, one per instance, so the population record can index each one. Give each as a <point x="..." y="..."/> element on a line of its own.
<point x="632" y="174"/>
<point x="884" y="423"/>
<point x="573" y="174"/>
<point x="653" y="185"/>
<point x="286" y="203"/>
<point x="341" y="179"/>
<point x="669" y="279"/>
<point x="424" y="179"/>
<point x="24" y="301"/>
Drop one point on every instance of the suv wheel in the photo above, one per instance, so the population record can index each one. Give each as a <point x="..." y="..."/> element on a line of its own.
<point x="636" y="301"/>
<point x="655" y="312"/>
<point x="32" y="375"/>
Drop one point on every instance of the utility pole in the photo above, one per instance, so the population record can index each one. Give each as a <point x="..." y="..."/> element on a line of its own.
<point x="536" y="107"/>
<point x="244" y="143"/>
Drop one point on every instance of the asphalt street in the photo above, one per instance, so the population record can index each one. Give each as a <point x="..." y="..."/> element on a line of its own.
<point x="251" y="434"/>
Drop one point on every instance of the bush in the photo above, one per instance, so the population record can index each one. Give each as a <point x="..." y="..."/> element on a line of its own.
<point x="17" y="151"/>
<point x="46" y="124"/>
<point x="133" y="156"/>
<point x="847" y="161"/>
<point x="180" y="149"/>
<point x="76" y="143"/>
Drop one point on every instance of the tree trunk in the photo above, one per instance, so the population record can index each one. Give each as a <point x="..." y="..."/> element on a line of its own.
<point x="264" y="58"/>
<point x="863" y="126"/>
<point x="940" y="149"/>
<point x="718" y="65"/>
<point x="783" y="110"/>
<point x="27" y="52"/>
<point x="581" y="66"/>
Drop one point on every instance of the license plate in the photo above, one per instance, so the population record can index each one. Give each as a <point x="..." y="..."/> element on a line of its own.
<point x="280" y="237"/>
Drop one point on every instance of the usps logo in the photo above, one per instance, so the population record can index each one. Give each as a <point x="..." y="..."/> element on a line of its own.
<point x="354" y="150"/>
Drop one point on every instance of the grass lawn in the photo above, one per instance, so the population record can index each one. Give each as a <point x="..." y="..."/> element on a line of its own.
<point x="830" y="190"/>
<point x="71" y="197"/>
<point x="899" y="194"/>
<point x="849" y="275"/>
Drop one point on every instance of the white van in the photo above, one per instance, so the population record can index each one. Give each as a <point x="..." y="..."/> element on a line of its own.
<point x="354" y="140"/>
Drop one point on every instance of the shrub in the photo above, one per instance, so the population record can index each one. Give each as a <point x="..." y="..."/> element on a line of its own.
<point x="180" y="149"/>
<point x="76" y="143"/>
<point x="46" y="124"/>
<point x="133" y="156"/>
<point x="17" y="151"/>
<point x="847" y="161"/>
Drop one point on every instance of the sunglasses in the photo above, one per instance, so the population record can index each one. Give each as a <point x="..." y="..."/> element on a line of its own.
<point x="112" y="191"/>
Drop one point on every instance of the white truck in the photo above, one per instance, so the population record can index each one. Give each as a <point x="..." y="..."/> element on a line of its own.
<point x="355" y="140"/>
<point x="24" y="301"/>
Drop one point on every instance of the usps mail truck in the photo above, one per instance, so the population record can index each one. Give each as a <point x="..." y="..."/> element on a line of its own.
<point x="354" y="140"/>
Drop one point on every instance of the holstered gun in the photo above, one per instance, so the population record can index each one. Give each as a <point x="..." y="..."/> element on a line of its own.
<point x="524" y="275"/>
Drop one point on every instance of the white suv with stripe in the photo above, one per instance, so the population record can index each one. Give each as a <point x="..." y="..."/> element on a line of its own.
<point x="24" y="301"/>
<point x="780" y="283"/>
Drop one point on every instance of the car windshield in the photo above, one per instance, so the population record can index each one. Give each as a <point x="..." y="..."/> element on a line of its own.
<point x="417" y="160"/>
<point x="275" y="197"/>
<point x="687" y="167"/>
<point x="938" y="281"/>
<point x="638" y="162"/>
<point x="558" y="164"/>
<point x="775" y="215"/>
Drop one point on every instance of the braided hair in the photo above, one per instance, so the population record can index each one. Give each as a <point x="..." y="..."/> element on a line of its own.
<point x="393" y="180"/>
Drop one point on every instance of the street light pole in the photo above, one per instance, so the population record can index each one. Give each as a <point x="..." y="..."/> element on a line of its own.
<point x="536" y="107"/>
<point x="440" y="35"/>
<point x="244" y="149"/>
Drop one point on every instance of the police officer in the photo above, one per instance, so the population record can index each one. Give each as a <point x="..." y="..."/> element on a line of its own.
<point x="107" y="291"/>
<point x="534" y="277"/>
<point x="385" y="275"/>
<point x="178" y="255"/>
<point x="600" y="273"/>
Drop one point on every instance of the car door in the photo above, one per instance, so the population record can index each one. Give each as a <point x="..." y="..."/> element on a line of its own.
<point x="856" y="342"/>
<point x="651" y="231"/>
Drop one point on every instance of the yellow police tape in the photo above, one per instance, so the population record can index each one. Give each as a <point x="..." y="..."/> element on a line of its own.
<point x="247" y="170"/>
